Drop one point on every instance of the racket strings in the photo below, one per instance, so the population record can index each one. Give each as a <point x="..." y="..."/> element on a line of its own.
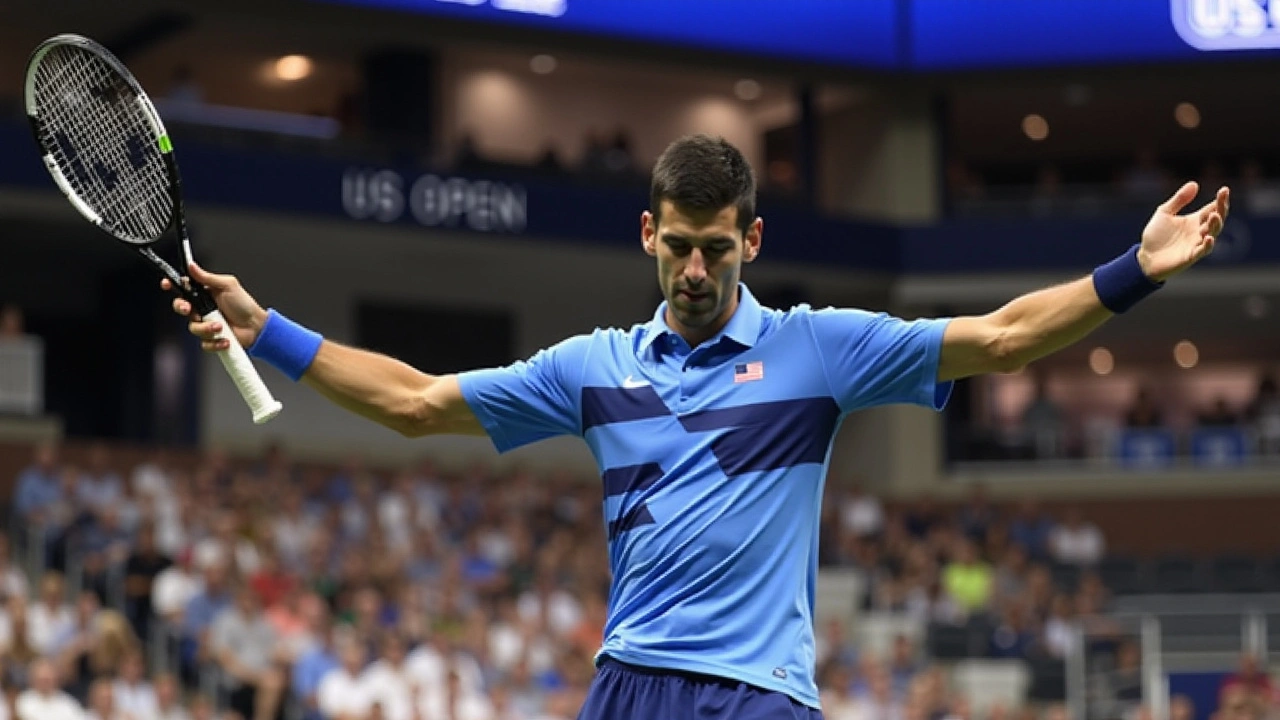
<point x="95" y="127"/>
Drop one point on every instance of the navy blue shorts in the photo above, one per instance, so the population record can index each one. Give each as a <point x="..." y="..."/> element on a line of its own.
<point x="626" y="692"/>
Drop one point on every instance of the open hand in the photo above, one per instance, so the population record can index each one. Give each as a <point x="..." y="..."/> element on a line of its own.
<point x="1171" y="242"/>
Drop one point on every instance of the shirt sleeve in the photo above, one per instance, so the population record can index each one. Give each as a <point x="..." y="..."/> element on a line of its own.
<point x="873" y="359"/>
<point x="532" y="399"/>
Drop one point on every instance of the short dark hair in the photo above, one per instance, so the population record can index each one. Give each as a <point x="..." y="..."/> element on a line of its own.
<point x="704" y="173"/>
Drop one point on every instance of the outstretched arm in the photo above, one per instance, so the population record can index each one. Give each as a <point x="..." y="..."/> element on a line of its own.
<point x="375" y="386"/>
<point x="1045" y="321"/>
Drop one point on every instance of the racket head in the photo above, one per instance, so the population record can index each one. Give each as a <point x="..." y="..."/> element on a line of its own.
<point x="101" y="138"/>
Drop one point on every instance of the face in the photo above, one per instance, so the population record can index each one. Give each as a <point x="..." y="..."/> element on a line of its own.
<point x="700" y="256"/>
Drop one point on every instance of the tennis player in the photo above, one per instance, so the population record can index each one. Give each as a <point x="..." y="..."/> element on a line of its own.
<point x="712" y="425"/>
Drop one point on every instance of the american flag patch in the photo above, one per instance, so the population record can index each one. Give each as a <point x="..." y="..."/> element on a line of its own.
<point x="746" y="372"/>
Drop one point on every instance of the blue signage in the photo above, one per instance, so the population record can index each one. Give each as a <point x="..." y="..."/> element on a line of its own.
<point x="1228" y="24"/>
<point x="903" y="35"/>
<point x="839" y="32"/>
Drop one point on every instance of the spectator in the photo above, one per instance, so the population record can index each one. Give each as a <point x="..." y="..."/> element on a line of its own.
<point x="51" y="618"/>
<point x="977" y="516"/>
<point x="861" y="514"/>
<point x="967" y="579"/>
<point x="342" y="693"/>
<point x="1010" y="579"/>
<point x="1219" y="414"/>
<point x="1031" y="529"/>
<point x="1058" y="636"/>
<point x="198" y="616"/>
<point x="12" y="324"/>
<point x="134" y="697"/>
<point x="102" y="702"/>
<point x="1044" y="423"/>
<point x="314" y="663"/>
<point x="1121" y="691"/>
<point x="1013" y="636"/>
<point x="1251" y="679"/>
<point x="1264" y="414"/>
<point x="169" y="699"/>
<point x="39" y="486"/>
<point x="143" y="567"/>
<point x="1181" y="708"/>
<point x="100" y="486"/>
<point x="242" y="643"/>
<point x="1077" y="542"/>
<point x="1144" y="413"/>
<point x="388" y="682"/>
<point x="457" y="702"/>
<point x="43" y="700"/>
<point x="174" y="588"/>
<point x="922" y="517"/>
<point x="13" y="581"/>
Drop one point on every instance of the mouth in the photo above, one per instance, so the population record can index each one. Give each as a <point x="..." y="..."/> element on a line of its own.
<point x="693" y="298"/>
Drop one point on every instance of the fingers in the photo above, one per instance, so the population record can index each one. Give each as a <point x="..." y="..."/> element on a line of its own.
<point x="213" y="281"/>
<point x="1181" y="198"/>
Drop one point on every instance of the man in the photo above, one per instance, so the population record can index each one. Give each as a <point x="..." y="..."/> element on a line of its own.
<point x="242" y="643"/>
<point x="712" y="424"/>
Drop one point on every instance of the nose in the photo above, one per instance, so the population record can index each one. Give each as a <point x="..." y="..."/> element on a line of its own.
<point x="695" y="271"/>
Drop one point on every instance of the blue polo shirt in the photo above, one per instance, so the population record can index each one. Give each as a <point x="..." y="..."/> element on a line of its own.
<point x="713" y="460"/>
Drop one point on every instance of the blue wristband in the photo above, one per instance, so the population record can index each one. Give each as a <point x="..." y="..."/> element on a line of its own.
<point x="1121" y="284"/>
<point x="286" y="345"/>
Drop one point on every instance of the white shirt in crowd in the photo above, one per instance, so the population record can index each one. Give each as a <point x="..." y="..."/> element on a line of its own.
<point x="58" y="705"/>
<point x="341" y="694"/>
<point x="470" y="706"/>
<point x="135" y="701"/>
<point x="173" y="590"/>
<point x="45" y="626"/>
<point x="391" y="687"/>
<point x="507" y="647"/>
<point x="564" y="613"/>
<point x="13" y="583"/>
<point x="862" y="515"/>
<point x="428" y="670"/>
<point x="1080" y="545"/>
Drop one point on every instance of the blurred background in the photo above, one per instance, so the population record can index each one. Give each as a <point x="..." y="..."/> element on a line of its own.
<point x="458" y="183"/>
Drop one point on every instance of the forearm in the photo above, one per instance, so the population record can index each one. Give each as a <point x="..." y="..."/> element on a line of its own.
<point x="380" y="388"/>
<point x="1045" y="321"/>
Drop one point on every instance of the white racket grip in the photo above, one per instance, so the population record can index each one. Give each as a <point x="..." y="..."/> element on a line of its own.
<point x="246" y="377"/>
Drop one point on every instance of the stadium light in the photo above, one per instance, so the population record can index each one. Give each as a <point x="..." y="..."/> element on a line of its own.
<point x="291" y="68"/>
<point x="1101" y="362"/>
<point x="1186" y="354"/>
<point x="1187" y="115"/>
<point x="1035" y="127"/>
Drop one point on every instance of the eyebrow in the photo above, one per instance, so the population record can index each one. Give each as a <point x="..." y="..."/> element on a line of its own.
<point x="676" y="237"/>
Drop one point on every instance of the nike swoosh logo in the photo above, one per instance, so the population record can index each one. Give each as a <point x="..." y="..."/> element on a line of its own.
<point x="629" y="383"/>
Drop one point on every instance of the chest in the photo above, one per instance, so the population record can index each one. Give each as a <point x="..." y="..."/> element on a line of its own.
<point x="724" y="409"/>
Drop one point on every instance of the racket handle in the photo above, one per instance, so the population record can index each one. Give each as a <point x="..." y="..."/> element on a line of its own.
<point x="246" y="377"/>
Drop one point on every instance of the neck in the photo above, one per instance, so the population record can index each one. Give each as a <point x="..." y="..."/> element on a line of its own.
<point x="697" y="336"/>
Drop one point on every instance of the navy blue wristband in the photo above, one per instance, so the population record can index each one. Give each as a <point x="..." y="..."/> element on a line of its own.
<point x="1121" y="284"/>
<point x="286" y="345"/>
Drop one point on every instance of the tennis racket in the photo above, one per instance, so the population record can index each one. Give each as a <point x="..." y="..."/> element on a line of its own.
<point x="107" y="150"/>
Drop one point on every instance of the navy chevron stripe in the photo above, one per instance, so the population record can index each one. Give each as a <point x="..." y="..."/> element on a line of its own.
<point x="604" y="405"/>
<point x="622" y="480"/>
<point x="768" y="436"/>
<point x="635" y="517"/>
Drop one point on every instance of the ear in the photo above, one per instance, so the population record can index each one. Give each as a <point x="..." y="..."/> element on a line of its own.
<point x="751" y="241"/>
<point x="648" y="233"/>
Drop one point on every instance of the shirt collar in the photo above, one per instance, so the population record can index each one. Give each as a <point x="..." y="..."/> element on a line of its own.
<point x="743" y="327"/>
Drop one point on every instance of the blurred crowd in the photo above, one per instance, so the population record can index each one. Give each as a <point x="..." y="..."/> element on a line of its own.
<point x="275" y="590"/>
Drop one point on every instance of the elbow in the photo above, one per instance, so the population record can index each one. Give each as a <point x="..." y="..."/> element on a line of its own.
<point x="1004" y="354"/>
<point x="417" y="415"/>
